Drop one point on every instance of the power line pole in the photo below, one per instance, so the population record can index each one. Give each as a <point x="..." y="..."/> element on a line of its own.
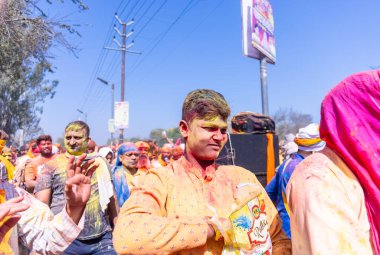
<point x="123" y="48"/>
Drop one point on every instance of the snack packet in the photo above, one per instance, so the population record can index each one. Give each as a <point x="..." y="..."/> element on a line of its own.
<point x="249" y="235"/>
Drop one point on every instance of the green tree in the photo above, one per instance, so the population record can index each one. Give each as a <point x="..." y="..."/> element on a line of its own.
<point x="162" y="136"/>
<point x="289" y="121"/>
<point x="26" y="37"/>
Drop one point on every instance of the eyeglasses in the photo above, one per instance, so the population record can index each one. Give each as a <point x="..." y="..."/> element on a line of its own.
<point x="136" y="154"/>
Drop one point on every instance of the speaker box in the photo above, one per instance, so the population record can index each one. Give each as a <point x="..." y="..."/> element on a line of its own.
<point x="249" y="151"/>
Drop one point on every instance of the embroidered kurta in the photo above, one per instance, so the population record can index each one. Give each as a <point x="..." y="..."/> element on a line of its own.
<point x="165" y="213"/>
<point x="327" y="208"/>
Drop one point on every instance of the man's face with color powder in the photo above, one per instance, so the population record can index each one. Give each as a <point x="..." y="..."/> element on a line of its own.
<point x="129" y="160"/>
<point x="76" y="141"/>
<point x="205" y="138"/>
<point x="45" y="147"/>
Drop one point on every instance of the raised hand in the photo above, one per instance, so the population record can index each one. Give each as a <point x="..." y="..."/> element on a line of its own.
<point x="8" y="216"/>
<point x="78" y="185"/>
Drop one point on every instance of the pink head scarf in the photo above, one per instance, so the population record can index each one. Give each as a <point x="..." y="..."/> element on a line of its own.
<point x="350" y="125"/>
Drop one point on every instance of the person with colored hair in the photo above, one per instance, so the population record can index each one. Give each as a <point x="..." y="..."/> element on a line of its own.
<point x="184" y="208"/>
<point x="34" y="166"/>
<point x="306" y="142"/>
<point x="126" y="173"/>
<point x="101" y="209"/>
<point x="143" y="147"/>
<point x="334" y="195"/>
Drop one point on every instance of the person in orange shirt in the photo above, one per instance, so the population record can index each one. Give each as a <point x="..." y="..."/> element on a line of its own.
<point x="33" y="168"/>
<point x="184" y="207"/>
<point x="166" y="154"/>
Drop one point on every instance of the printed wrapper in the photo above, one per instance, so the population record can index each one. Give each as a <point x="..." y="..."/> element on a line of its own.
<point x="250" y="229"/>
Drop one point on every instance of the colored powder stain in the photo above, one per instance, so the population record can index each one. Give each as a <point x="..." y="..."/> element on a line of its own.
<point x="4" y="245"/>
<point x="243" y="222"/>
<point x="74" y="127"/>
<point x="345" y="247"/>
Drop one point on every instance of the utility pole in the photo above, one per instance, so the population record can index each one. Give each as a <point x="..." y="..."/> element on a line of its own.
<point x="112" y="101"/>
<point x="123" y="48"/>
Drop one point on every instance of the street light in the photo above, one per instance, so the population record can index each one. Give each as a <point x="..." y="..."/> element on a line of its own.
<point x="112" y="102"/>
<point x="84" y="113"/>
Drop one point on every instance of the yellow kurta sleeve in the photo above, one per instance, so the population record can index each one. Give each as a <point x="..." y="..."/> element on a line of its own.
<point x="143" y="228"/>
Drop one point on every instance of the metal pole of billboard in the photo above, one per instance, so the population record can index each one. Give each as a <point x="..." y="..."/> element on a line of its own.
<point x="264" y="86"/>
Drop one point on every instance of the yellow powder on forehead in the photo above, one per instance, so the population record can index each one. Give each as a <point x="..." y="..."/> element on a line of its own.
<point x="75" y="127"/>
<point x="3" y="142"/>
<point x="214" y="121"/>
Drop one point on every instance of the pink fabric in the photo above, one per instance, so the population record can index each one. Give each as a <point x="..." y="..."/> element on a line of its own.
<point x="350" y="117"/>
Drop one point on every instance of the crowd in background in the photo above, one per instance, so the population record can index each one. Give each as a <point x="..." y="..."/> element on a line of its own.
<point x="138" y="198"/>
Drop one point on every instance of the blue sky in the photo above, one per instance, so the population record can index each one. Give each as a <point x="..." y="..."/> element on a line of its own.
<point x="197" y="44"/>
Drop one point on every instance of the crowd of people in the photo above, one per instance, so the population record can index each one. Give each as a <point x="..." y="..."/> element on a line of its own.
<point x="138" y="198"/>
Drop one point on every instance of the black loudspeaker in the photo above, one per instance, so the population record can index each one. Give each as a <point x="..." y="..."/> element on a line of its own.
<point x="249" y="151"/>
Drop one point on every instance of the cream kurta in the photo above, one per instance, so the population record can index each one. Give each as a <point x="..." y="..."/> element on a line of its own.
<point x="165" y="214"/>
<point x="327" y="208"/>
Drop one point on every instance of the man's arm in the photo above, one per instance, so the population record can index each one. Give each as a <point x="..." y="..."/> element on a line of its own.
<point x="48" y="234"/>
<point x="30" y="176"/>
<point x="113" y="210"/>
<point x="143" y="227"/>
<point x="272" y="188"/>
<point x="43" y="187"/>
<point x="44" y="195"/>
<point x="45" y="233"/>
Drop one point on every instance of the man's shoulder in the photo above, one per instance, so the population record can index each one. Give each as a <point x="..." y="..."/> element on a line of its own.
<point x="232" y="169"/>
<point x="164" y="171"/>
<point x="34" y="161"/>
<point x="314" y="167"/>
<point x="58" y="158"/>
<point x="58" y="162"/>
<point x="237" y="173"/>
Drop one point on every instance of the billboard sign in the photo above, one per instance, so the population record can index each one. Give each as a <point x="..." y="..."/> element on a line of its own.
<point x="258" y="29"/>
<point x="111" y="126"/>
<point x="121" y="114"/>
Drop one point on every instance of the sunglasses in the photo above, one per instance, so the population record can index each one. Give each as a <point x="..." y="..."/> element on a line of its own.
<point x="136" y="154"/>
